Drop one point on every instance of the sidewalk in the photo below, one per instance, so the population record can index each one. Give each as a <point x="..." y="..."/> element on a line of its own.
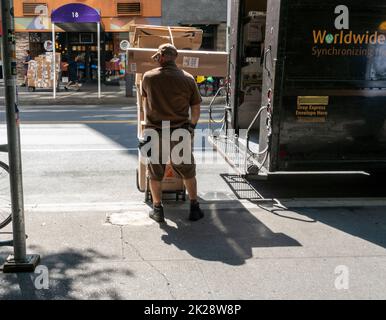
<point x="88" y="95"/>
<point x="239" y="251"/>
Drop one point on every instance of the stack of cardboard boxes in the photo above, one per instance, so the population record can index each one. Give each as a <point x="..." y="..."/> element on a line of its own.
<point x="146" y="40"/>
<point x="144" y="43"/>
<point x="40" y="73"/>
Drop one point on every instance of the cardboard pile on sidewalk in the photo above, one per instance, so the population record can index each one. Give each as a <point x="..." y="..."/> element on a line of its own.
<point x="40" y="73"/>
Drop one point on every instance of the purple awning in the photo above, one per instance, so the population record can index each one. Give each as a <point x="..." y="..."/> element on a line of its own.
<point x="75" y="13"/>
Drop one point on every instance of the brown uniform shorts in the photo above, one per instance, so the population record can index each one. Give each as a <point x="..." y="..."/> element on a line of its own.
<point x="179" y="156"/>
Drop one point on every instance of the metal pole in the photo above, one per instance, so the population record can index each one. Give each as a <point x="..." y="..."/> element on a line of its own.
<point x="20" y="262"/>
<point x="2" y="65"/>
<point x="229" y="21"/>
<point x="129" y="82"/>
<point x="54" y="59"/>
<point x="99" y="60"/>
<point x="129" y="78"/>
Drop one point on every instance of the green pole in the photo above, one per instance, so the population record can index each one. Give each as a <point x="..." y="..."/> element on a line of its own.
<point x="20" y="262"/>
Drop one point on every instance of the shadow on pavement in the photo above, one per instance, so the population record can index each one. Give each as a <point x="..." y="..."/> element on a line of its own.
<point x="114" y="133"/>
<point x="227" y="234"/>
<point x="367" y="223"/>
<point x="69" y="274"/>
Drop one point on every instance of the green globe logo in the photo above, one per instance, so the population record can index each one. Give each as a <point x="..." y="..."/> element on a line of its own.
<point x="329" y="38"/>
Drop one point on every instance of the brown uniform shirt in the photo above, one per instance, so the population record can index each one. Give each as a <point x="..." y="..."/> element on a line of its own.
<point x="169" y="93"/>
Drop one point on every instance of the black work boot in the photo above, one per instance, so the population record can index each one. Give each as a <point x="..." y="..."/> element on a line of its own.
<point x="157" y="214"/>
<point x="195" y="212"/>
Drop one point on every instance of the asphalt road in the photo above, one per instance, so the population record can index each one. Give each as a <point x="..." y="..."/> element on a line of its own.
<point x="75" y="143"/>
<point x="81" y="154"/>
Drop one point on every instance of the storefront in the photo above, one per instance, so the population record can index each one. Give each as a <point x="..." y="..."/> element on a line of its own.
<point x="74" y="38"/>
<point x="85" y="21"/>
<point x="84" y="44"/>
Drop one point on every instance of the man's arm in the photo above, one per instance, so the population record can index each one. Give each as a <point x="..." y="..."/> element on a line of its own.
<point x="196" y="113"/>
<point x="144" y="87"/>
<point x="195" y="103"/>
<point x="142" y="104"/>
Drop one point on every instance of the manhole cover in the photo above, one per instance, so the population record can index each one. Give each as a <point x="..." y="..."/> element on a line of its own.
<point x="217" y="196"/>
<point x="131" y="218"/>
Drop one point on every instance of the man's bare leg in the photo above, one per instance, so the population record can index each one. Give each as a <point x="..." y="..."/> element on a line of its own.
<point x="195" y="211"/>
<point x="191" y="187"/>
<point x="156" y="192"/>
<point x="157" y="214"/>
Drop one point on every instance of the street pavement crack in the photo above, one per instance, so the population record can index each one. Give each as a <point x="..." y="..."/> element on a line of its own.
<point x="122" y="244"/>
<point x="210" y="291"/>
<point x="168" y="283"/>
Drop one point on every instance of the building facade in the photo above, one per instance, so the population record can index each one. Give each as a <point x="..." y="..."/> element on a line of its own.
<point x="209" y="15"/>
<point x="34" y="29"/>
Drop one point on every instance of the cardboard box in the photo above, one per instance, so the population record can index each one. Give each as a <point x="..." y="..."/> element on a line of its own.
<point x="204" y="63"/>
<point x="146" y="36"/>
<point x="40" y="72"/>
<point x="152" y="42"/>
<point x="170" y="183"/>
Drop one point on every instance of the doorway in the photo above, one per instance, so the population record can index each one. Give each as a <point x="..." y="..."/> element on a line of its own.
<point x="84" y="46"/>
